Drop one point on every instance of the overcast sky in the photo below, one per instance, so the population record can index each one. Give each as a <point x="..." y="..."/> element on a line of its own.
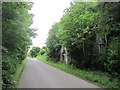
<point x="46" y="13"/>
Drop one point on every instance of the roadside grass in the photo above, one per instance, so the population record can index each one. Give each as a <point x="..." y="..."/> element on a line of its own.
<point x="17" y="74"/>
<point x="101" y="79"/>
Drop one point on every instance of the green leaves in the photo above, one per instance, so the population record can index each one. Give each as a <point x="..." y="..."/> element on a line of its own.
<point x="53" y="43"/>
<point x="34" y="51"/>
<point x="15" y="36"/>
<point x="16" y="22"/>
<point x="91" y="32"/>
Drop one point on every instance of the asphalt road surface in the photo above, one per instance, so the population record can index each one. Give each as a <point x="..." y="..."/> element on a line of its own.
<point x="39" y="75"/>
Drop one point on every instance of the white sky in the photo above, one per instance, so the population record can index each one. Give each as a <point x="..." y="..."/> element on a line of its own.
<point x="46" y="13"/>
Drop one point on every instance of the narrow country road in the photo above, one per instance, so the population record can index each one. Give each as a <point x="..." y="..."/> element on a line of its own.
<point x="39" y="75"/>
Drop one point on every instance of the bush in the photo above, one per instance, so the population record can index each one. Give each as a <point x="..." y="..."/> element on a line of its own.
<point x="113" y="62"/>
<point x="9" y="67"/>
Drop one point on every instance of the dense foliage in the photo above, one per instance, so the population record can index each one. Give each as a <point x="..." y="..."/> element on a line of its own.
<point x="15" y="37"/>
<point x="42" y="51"/>
<point x="53" y="43"/>
<point x="34" y="51"/>
<point x="91" y="33"/>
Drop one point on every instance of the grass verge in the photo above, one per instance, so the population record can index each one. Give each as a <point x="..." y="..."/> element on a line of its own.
<point x="99" y="78"/>
<point x="17" y="74"/>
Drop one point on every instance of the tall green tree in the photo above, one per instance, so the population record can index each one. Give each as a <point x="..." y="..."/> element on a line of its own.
<point x="109" y="25"/>
<point x="15" y="37"/>
<point x="76" y="32"/>
<point x="90" y="32"/>
<point x="53" y="44"/>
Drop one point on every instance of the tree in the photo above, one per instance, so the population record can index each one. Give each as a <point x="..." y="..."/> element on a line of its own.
<point x="34" y="51"/>
<point x="15" y="37"/>
<point x="109" y="25"/>
<point x="53" y="44"/>
<point x="76" y="32"/>
<point x="43" y="50"/>
<point x="90" y="32"/>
